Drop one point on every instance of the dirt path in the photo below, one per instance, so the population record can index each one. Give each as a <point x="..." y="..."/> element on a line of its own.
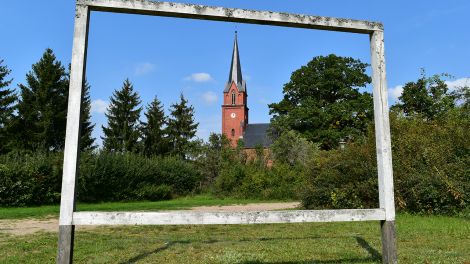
<point x="30" y="226"/>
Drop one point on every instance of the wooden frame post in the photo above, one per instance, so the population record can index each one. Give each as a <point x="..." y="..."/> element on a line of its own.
<point x="69" y="218"/>
<point x="383" y="147"/>
<point x="72" y="138"/>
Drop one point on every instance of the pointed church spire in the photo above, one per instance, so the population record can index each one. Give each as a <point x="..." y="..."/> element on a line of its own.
<point x="235" y="74"/>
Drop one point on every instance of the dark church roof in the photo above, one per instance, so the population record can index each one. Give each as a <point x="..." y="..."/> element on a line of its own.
<point x="235" y="74"/>
<point x="257" y="134"/>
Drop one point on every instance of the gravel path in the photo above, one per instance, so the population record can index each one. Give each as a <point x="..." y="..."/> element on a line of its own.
<point x="31" y="225"/>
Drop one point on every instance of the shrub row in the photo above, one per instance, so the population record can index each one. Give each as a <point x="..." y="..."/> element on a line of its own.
<point x="430" y="164"/>
<point x="281" y="181"/>
<point x="431" y="172"/>
<point x="35" y="178"/>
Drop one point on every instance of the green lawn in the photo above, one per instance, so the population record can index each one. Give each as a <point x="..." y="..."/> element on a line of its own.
<point x="421" y="239"/>
<point x="176" y="204"/>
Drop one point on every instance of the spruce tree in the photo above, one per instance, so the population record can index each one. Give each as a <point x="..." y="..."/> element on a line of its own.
<point x="87" y="142"/>
<point x="122" y="133"/>
<point x="181" y="128"/>
<point x="7" y="100"/>
<point x="153" y="131"/>
<point x="43" y="106"/>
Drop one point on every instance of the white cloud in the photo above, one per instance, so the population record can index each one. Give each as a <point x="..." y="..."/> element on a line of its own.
<point x="395" y="92"/>
<point x="199" y="77"/>
<point x="209" y="97"/>
<point x="144" y="68"/>
<point x="458" y="83"/>
<point x="99" y="106"/>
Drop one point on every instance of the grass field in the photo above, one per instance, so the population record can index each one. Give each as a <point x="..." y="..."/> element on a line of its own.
<point x="421" y="239"/>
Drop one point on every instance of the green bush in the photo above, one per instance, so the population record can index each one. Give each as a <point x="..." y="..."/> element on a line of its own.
<point x="35" y="178"/>
<point x="281" y="181"/>
<point x="430" y="163"/>
<point x="154" y="192"/>
<point x="117" y="176"/>
<point x="291" y="155"/>
<point x="28" y="179"/>
<point x="343" y="179"/>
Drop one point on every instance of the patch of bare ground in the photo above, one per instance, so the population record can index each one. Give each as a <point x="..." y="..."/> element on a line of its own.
<point x="248" y="207"/>
<point x="30" y="226"/>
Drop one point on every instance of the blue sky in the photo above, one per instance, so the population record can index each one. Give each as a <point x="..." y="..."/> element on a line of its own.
<point x="166" y="56"/>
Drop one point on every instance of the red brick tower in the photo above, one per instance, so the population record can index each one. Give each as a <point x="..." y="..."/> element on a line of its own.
<point x="234" y="109"/>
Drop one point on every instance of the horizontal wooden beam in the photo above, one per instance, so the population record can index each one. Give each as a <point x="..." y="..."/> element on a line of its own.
<point x="145" y="7"/>
<point x="225" y="218"/>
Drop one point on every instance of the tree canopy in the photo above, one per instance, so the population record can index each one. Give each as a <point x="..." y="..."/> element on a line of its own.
<point x="181" y="127"/>
<point x="87" y="142"/>
<point x="7" y="107"/>
<point x="428" y="97"/>
<point x="322" y="101"/>
<point x="154" y="136"/>
<point x="42" y="109"/>
<point x="122" y="133"/>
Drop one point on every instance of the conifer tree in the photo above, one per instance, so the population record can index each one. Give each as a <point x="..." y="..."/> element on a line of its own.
<point x="7" y="100"/>
<point x="122" y="133"/>
<point x="153" y="131"/>
<point x="181" y="127"/>
<point x="43" y="106"/>
<point x="87" y="142"/>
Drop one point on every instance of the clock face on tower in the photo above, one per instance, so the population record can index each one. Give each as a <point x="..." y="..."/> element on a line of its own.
<point x="233" y="115"/>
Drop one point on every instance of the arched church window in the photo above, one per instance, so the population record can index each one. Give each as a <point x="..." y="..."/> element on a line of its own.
<point x="233" y="132"/>
<point x="233" y="98"/>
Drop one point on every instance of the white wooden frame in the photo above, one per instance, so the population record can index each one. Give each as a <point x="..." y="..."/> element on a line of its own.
<point x="69" y="218"/>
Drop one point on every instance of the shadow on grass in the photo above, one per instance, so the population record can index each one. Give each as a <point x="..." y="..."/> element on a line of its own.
<point x="375" y="256"/>
<point x="146" y="254"/>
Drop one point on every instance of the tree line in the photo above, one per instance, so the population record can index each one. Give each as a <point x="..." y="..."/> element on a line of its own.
<point x="34" y="117"/>
<point x="324" y="102"/>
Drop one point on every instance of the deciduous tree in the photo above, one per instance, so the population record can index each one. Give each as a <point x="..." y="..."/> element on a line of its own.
<point x="428" y="97"/>
<point x="322" y="101"/>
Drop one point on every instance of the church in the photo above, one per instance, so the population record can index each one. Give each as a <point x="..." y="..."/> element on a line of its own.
<point x="235" y="109"/>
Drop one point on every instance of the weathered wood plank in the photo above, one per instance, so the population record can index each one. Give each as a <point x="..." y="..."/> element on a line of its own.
<point x="145" y="7"/>
<point x="66" y="238"/>
<point x="225" y="218"/>
<point x="72" y="138"/>
<point x="389" y="242"/>
<point x="384" y="149"/>
<point x="382" y="126"/>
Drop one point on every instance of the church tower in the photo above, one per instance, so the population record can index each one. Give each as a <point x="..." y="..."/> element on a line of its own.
<point x="235" y="109"/>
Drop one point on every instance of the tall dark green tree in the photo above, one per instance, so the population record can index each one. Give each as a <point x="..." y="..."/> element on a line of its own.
<point x="322" y="101"/>
<point x="427" y="97"/>
<point x="122" y="133"/>
<point x="42" y="109"/>
<point x="181" y="128"/>
<point x="7" y="107"/>
<point x="87" y="142"/>
<point x="154" y="139"/>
